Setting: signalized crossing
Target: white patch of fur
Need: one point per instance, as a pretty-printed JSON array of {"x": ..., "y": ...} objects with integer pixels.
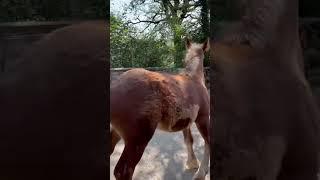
[{"x": 193, "y": 65}]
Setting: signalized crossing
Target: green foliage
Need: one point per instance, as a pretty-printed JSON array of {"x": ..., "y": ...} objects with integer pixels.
[
  {"x": 178, "y": 31},
  {"x": 130, "y": 50},
  {"x": 172, "y": 21},
  {"x": 43, "y": 10}
]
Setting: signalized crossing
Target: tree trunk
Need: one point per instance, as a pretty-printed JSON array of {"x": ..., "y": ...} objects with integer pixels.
[
  {"x": 204, "y": 18},
  {"x": 177, "y": 42}
]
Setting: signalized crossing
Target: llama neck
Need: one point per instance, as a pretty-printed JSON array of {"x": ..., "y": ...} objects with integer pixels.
[{"x": 195, "y": 68}]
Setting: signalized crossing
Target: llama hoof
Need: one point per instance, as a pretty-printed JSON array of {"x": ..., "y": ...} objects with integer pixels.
[
  {"x": 200, "y": 175},
  {"x": 193, "y": 164}
]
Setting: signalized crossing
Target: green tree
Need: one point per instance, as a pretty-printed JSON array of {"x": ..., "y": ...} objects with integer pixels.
[
  {"x": 128, "y": 49},
  {"x": 180, "y": 17}
]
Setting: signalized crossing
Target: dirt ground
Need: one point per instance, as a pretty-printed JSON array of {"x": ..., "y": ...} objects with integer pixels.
[{"x": 164, "y": 158}]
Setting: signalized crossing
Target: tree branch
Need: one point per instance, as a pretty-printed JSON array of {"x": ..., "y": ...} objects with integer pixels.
[
  {"x": 184, "y": 9},
  {"x": 146, "y": 27},
  {"x": 190, "y": 15},
  {"x": 152, "y": 21},
  {"x": 147, "y": 21}
]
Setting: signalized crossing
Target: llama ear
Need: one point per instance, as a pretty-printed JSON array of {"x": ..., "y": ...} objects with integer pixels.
[
  {"x": 206, "y": 45},
  {"x": 188, "y": 43}
]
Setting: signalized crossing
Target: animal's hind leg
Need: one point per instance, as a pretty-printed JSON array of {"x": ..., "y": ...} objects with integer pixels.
[
  {"x": 135, "y": 144},
  {"x": 115, "y": 138},
  {"x": 192, "y": 162},
  {"x": 203, "y": 126}
]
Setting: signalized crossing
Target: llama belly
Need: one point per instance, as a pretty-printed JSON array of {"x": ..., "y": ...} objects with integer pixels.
[{"x": 177, "y": 118}]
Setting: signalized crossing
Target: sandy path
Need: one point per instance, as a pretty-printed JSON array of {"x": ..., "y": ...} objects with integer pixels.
[{"x": 164, "y": 157}]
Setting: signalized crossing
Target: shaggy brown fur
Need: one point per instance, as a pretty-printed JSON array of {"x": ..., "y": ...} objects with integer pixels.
[
  {"x": 53, "y": 107},
  {"x": 266, "y": 122},
  {"x": 142, "y": 100}
]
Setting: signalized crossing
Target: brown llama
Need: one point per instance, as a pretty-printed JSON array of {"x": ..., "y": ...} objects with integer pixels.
[{"x": 142, "y": 101}]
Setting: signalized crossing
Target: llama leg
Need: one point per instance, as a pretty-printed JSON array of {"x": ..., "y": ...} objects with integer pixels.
[
  {"x": 192, "y": 162},
  {"x": 203, "y": 126},
  {"x": 135, "y": 144},
  {"x": 115, "y": 138}
]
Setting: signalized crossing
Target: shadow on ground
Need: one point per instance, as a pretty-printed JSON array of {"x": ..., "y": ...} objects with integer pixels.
[{"x": 164, "y": 158}]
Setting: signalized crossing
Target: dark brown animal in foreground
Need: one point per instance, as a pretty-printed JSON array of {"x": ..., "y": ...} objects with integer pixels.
[
  {"x": 53, "y": 107},
  {"x": 142, "y": 101},
  {"x": 266, "y": 121}
]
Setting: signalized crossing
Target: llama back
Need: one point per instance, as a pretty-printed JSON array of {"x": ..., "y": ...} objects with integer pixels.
[{"x": 154, "y": 95}]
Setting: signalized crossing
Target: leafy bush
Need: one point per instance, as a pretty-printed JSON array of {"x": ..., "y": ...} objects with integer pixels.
[{"x": 130, "y": 50}]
